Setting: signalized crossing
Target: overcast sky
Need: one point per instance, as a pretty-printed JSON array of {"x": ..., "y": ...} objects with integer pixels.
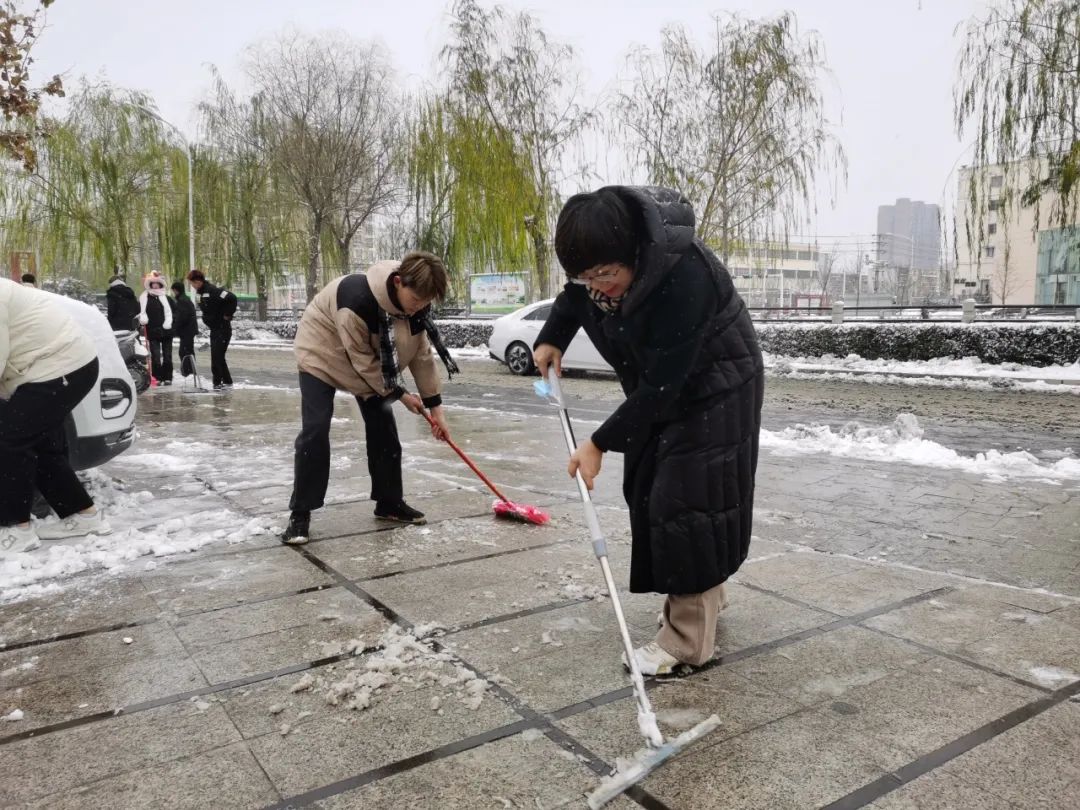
[{"x": 893, "y": 65}]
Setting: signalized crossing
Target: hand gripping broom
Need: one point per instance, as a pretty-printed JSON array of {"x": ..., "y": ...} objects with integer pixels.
[{"x": 657, "y": 751}]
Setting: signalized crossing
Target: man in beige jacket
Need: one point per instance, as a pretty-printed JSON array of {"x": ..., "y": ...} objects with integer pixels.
[{"x": 356, "y": 335}]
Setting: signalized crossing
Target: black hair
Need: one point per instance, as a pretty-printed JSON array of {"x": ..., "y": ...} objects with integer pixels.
[
  {"x": 29, "y": 278},
  {"x": 596, "y": 228},
  {"x": 178, "y": 286}
]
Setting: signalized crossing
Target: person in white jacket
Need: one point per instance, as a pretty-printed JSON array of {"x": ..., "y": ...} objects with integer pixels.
[
  {"x": 47, "y": 365},
  {"x": 156, "y": 314}
]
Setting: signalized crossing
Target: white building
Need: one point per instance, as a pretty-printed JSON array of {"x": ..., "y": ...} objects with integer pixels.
[
  {"x": 1002, "y": 256},
  {"x": 777, "y": 274}
]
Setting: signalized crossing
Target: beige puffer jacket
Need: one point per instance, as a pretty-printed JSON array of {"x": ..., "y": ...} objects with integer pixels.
[
  {"x": 39, "y": 341},
  {"x": 334, "y": 344}
]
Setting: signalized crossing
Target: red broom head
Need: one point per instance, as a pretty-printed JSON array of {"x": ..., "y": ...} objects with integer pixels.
[{"x": 521, "y": 512}]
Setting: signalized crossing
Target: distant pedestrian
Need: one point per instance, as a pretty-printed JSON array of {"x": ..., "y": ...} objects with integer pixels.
[
  {"x": 123, "y": 306},
  {"x": 29, "y": 280},
  {"x": 218, "y": 307},
  {"x": 47, "y": 365},
  {"x": 185, "y": 327},
  {"x": 155, "y": 313},
  {"x": 357, "y": 335},
  {"x": 661, "y": 308}
]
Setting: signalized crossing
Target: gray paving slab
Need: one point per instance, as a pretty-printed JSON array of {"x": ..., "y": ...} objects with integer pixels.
[
  {"x": 97, "y": 602},
  {"x": 229, "y": 579},
  {"x": 102, "y": 689},
  {"x": 826, "y": 667},
  {"x": 923, "y": 706},
  {"x": 526, "y": 770},
  {"x": 740, "y": 703},
  {"x": 325, "y": 749},
  {"x": 46, "y": 765},
  {"x": 226, "y": 777},
  {"x": 1036, "y": 764},
  {"x": 940, "y": 790}
]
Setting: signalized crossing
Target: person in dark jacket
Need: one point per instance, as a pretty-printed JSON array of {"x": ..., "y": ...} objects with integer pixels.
[
  {"x": 662, "y": 310},
  {"x": 123, "y": 306},
  {"x": 185, "y": 327},
  {"x": 218, "y": 307},
  {"x": 156, "y": 315}
]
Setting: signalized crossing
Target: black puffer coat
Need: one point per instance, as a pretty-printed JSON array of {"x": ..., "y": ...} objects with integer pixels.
[{"x": 688, "y": 359}]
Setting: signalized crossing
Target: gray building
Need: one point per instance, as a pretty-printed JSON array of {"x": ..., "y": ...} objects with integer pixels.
[
  {"x": 909, "y": 247},
  {"x": 909, "y": 235}
]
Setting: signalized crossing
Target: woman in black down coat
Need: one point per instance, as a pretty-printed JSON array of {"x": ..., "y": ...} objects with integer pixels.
[{"x": 662, "y": 310}]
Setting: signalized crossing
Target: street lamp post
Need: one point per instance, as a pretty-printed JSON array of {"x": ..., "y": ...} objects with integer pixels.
[{"x": 190, "y": 181}]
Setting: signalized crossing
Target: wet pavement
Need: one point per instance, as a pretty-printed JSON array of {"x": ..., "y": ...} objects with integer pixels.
[{"x": 901, "y": 636}]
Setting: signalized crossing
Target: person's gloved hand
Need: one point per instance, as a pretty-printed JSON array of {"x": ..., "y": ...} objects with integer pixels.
[{"x": 143, "y": 319}]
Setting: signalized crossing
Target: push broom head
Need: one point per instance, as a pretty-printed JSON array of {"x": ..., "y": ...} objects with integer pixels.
[
  {"x": 520, "y": 512},
  {"x": 645, "y": 762}
]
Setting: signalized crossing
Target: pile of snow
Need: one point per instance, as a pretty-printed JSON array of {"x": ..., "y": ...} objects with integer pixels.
[
  {"x": 971, "y": 369},
  {"x": 903, "y": 442},
  {"x": 403, "y": 658}
]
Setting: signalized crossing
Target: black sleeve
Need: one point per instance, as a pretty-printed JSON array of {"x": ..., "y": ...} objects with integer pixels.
[
  {"x": 671, "y": 345},
  {"x": 230, "y": 306},
  {"x": 562, "y": 324},
  {"x": 110, "y": 300}
]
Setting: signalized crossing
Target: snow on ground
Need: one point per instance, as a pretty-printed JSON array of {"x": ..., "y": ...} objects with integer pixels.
[
  {"x": 966, "y": 372},
  {"x": 144, "y": 528},
  {"x": 903, "y": 442}
]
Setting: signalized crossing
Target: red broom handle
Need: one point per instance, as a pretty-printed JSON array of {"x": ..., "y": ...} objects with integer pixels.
[{"x": 467, "y": 460}]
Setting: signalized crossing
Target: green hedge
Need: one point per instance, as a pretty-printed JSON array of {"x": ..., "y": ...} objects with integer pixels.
[{"x": 1031, "y": 345}]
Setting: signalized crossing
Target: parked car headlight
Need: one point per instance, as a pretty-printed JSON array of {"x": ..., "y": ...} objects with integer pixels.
[{"x": 116, "y": 398}]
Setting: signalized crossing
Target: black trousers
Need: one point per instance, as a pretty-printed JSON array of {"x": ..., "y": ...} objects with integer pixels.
[
  {"x": 219, "y": 344},
  {"x": 32, "y": 446},
  {"x": 312, "y": 460},
  {"x": 186, "y": 349},
  {"x": 161, "y": 365}
]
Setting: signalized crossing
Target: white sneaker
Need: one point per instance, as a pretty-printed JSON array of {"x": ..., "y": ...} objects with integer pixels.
[
  {"x": 77, "y": 525},
  {"x": 723, "y": 604},
  {"x": 16, "y": 540},
  {"x": 652, "y": 659}
]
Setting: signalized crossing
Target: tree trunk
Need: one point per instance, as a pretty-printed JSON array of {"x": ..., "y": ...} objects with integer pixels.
[
  {"x": 540, "y": 249},
  {"x": 311, "y": 282},
  {"x": 262, "y": 296}
]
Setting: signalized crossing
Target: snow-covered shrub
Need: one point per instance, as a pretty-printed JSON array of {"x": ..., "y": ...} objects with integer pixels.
[
  {"x": 456, "y": 334},
  {"x": 1028, "y": 344}
]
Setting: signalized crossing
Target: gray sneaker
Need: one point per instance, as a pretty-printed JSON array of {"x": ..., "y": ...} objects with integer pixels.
[
  {"x": 77, "y": 525},
  {"x": 17, "y": 540}
]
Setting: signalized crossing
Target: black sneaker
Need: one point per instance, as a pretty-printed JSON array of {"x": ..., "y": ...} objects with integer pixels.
[
  {"x": 400, "y": 512},
  {"x": 298, "y": 531}
]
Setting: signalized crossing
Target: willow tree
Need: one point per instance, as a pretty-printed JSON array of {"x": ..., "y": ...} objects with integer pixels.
[
  {"x": 102, "y": 186},
  {"x": 251, "y": 221},
  {"x": 517, "y": 94},
  {"x": 1018, "y": 90},
  {"x": 468, "y": 191},
  {"x": 739, "y": 125}
]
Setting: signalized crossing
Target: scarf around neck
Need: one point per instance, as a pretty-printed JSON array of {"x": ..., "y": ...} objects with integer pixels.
[
  {"x": 606, "y": 302},
  {"x": 391, "y": 367}
]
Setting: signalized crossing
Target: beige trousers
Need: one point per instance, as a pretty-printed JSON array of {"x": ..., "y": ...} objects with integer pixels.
[{"x": 689, "y": 629}]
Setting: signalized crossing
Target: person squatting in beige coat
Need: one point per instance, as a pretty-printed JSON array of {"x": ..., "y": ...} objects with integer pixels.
[{"x": 356, "y": 335}]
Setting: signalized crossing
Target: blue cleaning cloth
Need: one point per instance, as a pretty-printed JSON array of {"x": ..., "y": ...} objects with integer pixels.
[{"x": 542, "y": 388}]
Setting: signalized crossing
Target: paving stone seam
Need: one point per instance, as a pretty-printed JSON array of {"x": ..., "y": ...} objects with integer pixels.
[
  {"x": 180, "y": 697},
  {"x": 872, "y": 791},
  {"x": 110, "y": 628}
]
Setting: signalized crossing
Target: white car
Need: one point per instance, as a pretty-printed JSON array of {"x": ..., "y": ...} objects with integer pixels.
[
  {"x": 102, "y": 425},
  {"x": 513, "y": 335}
]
